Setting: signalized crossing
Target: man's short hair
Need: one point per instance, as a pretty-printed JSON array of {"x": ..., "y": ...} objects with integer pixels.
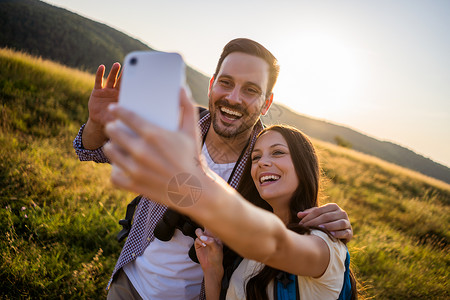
[{"x": 253, "y": 48}]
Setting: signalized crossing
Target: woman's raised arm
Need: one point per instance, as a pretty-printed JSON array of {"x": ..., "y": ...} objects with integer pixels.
[{"x": 166, "y": 166}]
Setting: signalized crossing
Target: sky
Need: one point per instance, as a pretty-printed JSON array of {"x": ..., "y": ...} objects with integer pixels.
[{"x": 379, "y": 67}]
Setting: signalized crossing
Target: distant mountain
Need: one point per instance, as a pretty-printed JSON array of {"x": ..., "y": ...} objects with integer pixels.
[
  {"x": 387, "y": 151},
  {"x": 60, "y": 35},
  {"x": 65, "y": 37}
]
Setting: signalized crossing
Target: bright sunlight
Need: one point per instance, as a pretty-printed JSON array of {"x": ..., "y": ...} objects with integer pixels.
[{"x": 323, "y": 73}]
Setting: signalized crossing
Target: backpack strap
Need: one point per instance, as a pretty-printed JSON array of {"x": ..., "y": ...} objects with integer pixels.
[
  {"x": 346, "y": 292},
  {"x": 231, "y": 261},
  {"x": 285, "y": 286},
  {"x": 202, "y": 111},
  {"x": 126, "y": 223}
]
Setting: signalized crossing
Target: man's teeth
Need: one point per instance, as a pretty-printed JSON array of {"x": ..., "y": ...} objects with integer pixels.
[
  {"x": 269, "y": 177},
  {"x": 231, "y": 112}
]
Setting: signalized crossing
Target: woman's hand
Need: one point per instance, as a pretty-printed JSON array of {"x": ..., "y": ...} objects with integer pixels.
[{"x": 209, "y": 251}]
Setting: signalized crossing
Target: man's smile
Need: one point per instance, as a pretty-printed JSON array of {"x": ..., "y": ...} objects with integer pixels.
[{"x": 229, "y": 114}]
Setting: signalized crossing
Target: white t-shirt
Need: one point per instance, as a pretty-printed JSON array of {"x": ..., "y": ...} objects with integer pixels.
[
  {"x": 327, "y": 286},
  {"x": 165, "y": 271}
]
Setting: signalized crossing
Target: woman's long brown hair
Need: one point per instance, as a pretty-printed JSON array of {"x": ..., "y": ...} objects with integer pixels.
[{"x": 306, "y": 164}]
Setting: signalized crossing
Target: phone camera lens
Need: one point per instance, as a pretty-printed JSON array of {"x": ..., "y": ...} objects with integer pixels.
[{"x": 133, "y": 61}]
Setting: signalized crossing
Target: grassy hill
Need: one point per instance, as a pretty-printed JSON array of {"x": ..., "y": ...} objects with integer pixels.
[
  {"x": 62, "y": 36},
  {"x": 58, "y": 216},
  {"x": 388, "y": 151}
]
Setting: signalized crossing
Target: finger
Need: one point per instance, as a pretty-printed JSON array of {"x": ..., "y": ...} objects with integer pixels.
[
  {"x": 121, "y": 180},
  {"x": 119, "y": 159},
  {"x": 189, "y": 115},
  {"x": 199, "y": 232},
  {"x": 119, "y": 80},
  {"x": 315, "y": 212},
  {"x": 112, "y": 76},
  {"x": 302, "y": 214},
  {"x": 99, "y": 77},
  {"x": 345, "y": 235},
  {"x": 336, "y": 225},
  {"x": 138, "y": 124},
  {"x": 109, "y": 117},
  {"x": 208, "y": 241},
  {"x": 126, "y": 139},
  {"x": 122, "y": 137},
  {"x": 323, "y": 218},
  {"x": 133, "y": 154},
  {"x": 137, "y": 172},
  {"x": 307, "y": 216},
  {"x": 199, "y": 244}
]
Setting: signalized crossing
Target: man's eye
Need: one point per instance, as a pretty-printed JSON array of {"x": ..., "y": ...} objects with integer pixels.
[
  {"x": 225, "y": 83},
  {"x": 251, "y": 91}
]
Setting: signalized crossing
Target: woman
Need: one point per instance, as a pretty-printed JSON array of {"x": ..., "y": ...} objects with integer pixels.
[
  {"x": 282, "y": 176},
  {"x": 146, "y": 166}
]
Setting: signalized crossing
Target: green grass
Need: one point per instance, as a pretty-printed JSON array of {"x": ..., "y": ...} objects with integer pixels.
[
  {"x": 400, "y": 220},
  {"x": 58, "y": 216}
]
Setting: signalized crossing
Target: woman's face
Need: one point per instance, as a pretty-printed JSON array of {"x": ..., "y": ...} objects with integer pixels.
[{"x": 272, "y": 169}]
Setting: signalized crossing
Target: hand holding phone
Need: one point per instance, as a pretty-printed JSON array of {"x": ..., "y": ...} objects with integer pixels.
[{"x": 150, "y": 86}]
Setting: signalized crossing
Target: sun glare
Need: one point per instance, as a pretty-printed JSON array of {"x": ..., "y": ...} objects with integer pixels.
[{"x": 319, "y": 74}]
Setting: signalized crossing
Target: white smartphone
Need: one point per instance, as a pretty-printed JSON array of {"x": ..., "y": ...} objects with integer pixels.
[{"x": 150, "y": 86}]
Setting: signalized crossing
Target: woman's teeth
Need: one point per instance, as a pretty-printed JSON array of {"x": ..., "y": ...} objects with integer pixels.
[{"x": 269, "y": 178}]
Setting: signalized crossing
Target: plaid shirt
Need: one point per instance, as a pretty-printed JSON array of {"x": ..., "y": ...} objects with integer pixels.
[{"x": 149, "y": 213}]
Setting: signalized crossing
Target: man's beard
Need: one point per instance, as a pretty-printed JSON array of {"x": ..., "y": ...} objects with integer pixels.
[{"x": 231, "y": 131}]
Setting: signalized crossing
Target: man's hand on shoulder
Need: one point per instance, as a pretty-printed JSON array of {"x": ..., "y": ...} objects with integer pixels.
[{"x": 331, "y": 217}]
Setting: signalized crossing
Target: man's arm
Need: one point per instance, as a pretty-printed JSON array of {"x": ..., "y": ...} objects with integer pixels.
[
  {"x": 331, "y": 217},
  {"x": 93, "y": 135},
  {"x": 83, "y": 154}
]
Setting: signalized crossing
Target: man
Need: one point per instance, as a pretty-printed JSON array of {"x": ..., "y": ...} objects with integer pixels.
[{"x": 240, "y": 91}]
